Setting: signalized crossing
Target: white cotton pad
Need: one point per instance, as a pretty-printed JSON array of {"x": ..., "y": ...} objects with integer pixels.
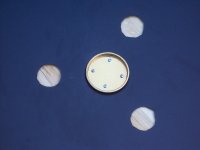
[
  {"x": 48, "y": 75},
  {"x": 132, "y": 27},
  {"x": 143, "y": 118}
]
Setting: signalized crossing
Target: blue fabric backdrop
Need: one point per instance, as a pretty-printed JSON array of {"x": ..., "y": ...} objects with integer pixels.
[{"x": 164, "y": 64}]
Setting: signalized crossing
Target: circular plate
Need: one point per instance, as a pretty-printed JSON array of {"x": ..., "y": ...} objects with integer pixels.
[{"x": 107, "y": 72}]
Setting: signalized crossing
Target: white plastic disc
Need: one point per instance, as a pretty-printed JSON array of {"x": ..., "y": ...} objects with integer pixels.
[
  {"x": 48, "y": 75},
  {"x": 132, "y": 27},
  {"x": 107, "y": 72},
  {"x": 143, "y": 118}
]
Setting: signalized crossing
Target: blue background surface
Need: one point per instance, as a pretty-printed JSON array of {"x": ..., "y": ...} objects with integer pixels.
[{"x": 164, "y": 64}]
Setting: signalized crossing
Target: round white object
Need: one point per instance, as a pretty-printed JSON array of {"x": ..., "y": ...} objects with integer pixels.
[
  {"x": 107, "y": 72},
  {"x": 143, "y": 118},
  {"x": 132, "y": 27},
  {"x": 48, "y": 75}
]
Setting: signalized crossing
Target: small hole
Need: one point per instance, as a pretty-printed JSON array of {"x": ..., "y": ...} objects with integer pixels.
[
  {"x": 105, "y": 85},
  {"x": 92, "y": 70},
  {"x": 109, "y": 59}
]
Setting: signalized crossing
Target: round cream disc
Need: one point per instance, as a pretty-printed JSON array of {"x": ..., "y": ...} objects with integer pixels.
[
  {"x": 48, "y": 75},
  {"x": 132, "y": 27},
  {"x": 143, "y": 118},
  {"x": 107, "y": 72}
]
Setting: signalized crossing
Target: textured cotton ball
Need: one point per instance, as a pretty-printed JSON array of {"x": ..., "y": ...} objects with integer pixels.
[
  {"x": 48, "y": 75},
  {"x": 143, "y": 118},
  {"x": 132, "y": 27}
]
